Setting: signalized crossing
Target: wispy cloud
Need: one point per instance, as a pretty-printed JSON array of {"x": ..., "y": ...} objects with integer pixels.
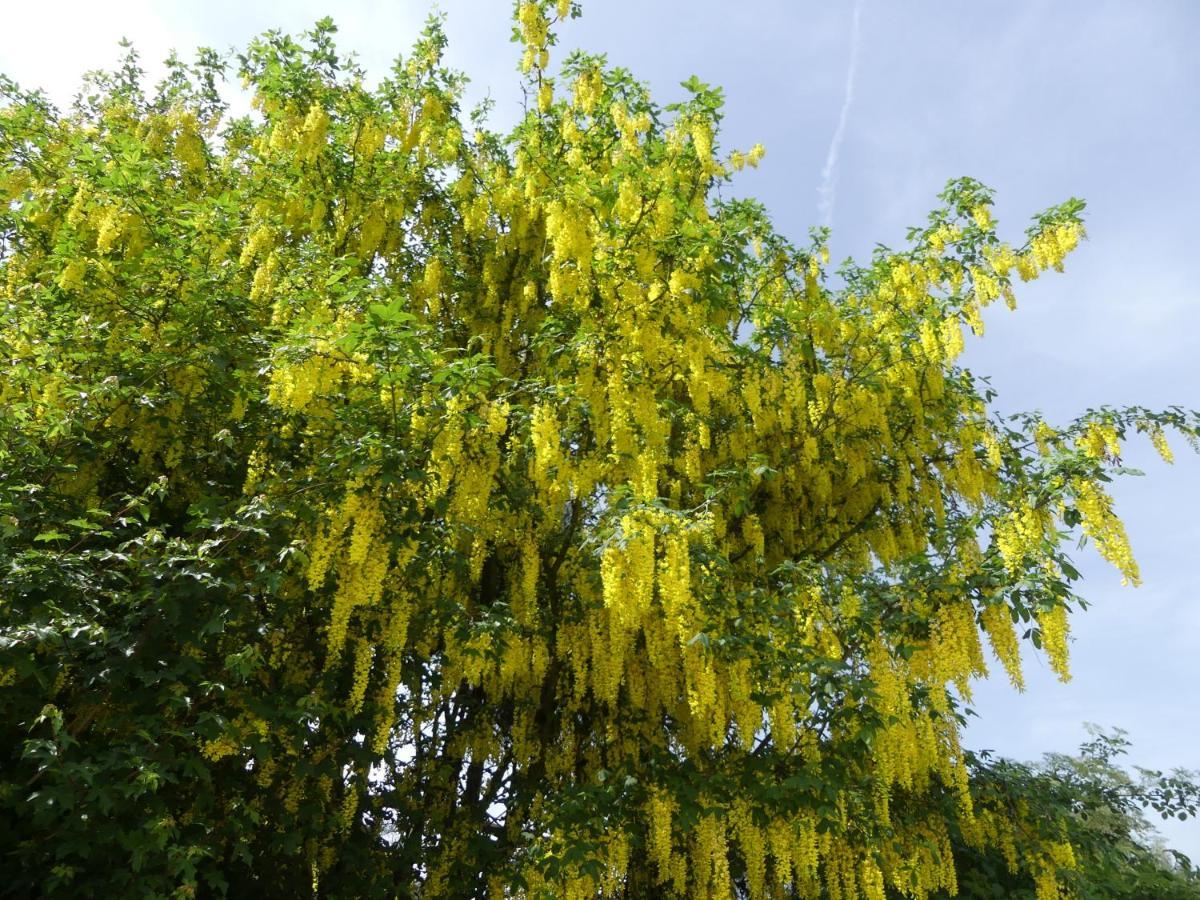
[{"x": 827, "y": 191}]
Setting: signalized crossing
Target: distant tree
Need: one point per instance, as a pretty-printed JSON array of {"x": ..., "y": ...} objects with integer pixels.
[
  {"x": 1102, "y": 810},
  {"x": 392, "y": 507}
]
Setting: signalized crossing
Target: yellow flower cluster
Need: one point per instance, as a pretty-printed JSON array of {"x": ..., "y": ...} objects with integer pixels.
[
  {"x": 219, "y": 748},
  {"x": 998, "y": 625},
  {"x": 71, "y": 277},
  {"x": 109, "y": 227},
  {"x": 535, "y": 29},
  {"x": 1045, "y": 436},
  {"x": 1019, "y": 536},
  {"x": 189, "y": 143},
  {"x": 361, "y": 564},
  {"x": 1099, "y": 439},
  {"x": 955, "y": 651},
  {"x": 1160, "y": 444},
  {"x": 1055, "y": 629},
  {"x": 1051, "y": 245},
  {"x": 1107, "y": 531},
  {"x": 363, "y": 654},
  {"x": 659, "y": 811}
]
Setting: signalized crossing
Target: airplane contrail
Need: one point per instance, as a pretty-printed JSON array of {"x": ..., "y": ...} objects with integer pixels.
[{"x": 828, "y": 189}]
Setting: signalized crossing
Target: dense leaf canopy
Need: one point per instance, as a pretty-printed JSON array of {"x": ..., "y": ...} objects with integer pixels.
[{"x": 390, "y": 506}]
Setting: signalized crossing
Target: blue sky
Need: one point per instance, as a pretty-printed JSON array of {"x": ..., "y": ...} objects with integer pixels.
[{"x": 1040, "y": 100}]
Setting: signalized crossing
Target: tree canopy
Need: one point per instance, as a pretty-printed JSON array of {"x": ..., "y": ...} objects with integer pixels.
[
  {"x": 390, "y": 506},
  {"x": 1102, "y": 810}
]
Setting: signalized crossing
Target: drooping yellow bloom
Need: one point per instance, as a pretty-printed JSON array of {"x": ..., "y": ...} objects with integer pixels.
[{"x": 1053, "y": 623}]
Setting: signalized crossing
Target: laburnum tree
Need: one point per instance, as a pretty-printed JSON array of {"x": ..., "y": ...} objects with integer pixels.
[{"x": 394, "y": 507}]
